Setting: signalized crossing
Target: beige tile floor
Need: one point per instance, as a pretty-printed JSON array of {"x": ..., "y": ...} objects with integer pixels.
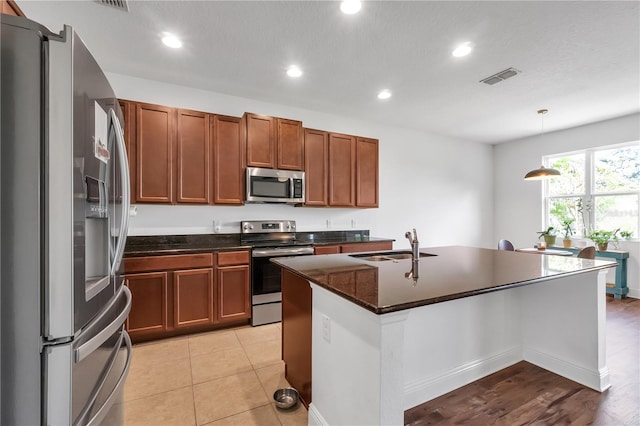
[{"x": 219, "y": 378}]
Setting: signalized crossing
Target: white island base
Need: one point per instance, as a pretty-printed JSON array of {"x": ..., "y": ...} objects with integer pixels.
[{"x": 367, "y": 369}]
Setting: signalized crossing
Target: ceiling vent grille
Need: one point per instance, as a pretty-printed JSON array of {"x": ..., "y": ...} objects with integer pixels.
[
  {"x": 501, "y": 76},
  {"x": 118, "y": 4}
]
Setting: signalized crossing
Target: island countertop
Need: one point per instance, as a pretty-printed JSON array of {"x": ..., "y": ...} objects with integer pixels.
[{"x": 450, "y": 273}]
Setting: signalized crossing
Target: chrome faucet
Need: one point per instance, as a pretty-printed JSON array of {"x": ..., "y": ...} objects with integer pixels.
[
  {"x": 413, "y": 240},
  {"x": 413, "y": 273}
]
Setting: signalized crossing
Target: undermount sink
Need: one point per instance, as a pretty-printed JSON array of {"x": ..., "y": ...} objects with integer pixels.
[{"x": 388, "y": 255}]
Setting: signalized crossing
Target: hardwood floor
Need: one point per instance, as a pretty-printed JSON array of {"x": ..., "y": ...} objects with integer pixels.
[{"x": 525, "y": 394}]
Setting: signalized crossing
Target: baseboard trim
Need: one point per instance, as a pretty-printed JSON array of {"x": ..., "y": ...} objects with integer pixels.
[
  {"x": 315, "y": 418},
  {"x": 425, "y": 389},
  {"x": 595, "y": 379}
]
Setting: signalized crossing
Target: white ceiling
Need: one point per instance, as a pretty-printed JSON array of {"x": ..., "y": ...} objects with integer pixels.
[{"x": 579, "y": 59}]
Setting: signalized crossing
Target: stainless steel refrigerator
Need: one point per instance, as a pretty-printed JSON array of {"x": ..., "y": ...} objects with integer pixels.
[{"x": 64, "y": 206}]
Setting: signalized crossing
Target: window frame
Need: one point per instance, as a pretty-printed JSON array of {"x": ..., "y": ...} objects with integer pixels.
[{"x": 589, "y": 194}]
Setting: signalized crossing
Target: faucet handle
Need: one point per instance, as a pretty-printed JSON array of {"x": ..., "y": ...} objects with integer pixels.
[
  {"x": 407, "y": 235},
  {"x": 415, "y": 235}
]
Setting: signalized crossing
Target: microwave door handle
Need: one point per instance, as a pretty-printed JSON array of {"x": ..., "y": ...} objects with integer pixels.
[{"x": 126, "y": 198}]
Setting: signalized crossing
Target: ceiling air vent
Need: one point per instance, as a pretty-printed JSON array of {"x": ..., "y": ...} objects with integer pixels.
[
  {"x": 498, "y": 77},
  {"x": 118, "y": 4}
]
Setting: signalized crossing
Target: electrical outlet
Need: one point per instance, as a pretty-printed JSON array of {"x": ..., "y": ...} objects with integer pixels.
[
  {"x": 326, "y": 328},
  {"x": 217, "y": 226},
  {"x": 353, "y": 223},
  {"x": 329, "y": 224},
  {"x": 133, "y": 211}
]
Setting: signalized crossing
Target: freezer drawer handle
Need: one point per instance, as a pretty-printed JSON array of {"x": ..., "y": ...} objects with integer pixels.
[
  {"x": 97, "y": 419},
  {"x": 87, "y": 348}
]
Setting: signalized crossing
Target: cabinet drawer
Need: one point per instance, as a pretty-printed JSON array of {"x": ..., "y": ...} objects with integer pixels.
[
  {"x": 228, "y": 258},
  {"x": 160, "y": 263}
]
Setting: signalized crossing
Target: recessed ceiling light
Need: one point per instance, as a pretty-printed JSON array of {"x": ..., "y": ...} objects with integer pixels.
[
  {"x": 170, "y": 40},
  {"x": 294, "y": 71},
  {"x": 349, "y": 7},
  {"x": 462, "y": 50},
  {"x": 385, "y": 94}
]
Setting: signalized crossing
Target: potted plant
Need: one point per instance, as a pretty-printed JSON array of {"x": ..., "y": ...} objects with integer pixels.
[
  {"x": 602, "y": 238},
  {"x": 626, "y": 235},
  {"x": 567, "y": 231},
  {"x": 549, "y": 235}
]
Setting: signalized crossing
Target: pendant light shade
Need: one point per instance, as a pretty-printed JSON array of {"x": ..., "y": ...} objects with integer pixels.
[{"x": 542, "y": 172}]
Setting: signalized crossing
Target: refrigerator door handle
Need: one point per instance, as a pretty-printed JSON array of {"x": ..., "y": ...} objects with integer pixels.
[
  {"x": 117, "y": 391},
  {"x": 94, "y": 343},
  {"x": 126, "y": 191}
]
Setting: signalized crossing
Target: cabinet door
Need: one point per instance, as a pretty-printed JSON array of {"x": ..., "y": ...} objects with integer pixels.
[
  {"x": 129, "y": 128},
  {"x": 366, "y": 172},
  {"x": 233, "y": 293},
  {"x": 149, "y": 301},
  {"x": 342, "y": 155},
  {"x": 296, "y": 333},
  {"x": 194, "y": 158},
  {"x": 261, "y": 146},
  {"x": 193, "y": 297},
  {"x": 228, "y": 159},
  {"x": 290, "y": 151},
  {"x": 316, "y": 165},
  {"x": 154, "y": 153}
]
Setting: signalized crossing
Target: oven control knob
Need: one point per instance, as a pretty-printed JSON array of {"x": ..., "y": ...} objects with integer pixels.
[{"x": 248, "y": 226}]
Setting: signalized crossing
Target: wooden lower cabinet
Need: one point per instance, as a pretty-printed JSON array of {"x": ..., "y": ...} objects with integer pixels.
[
  {"x": 179, "y": 294},
  {"x": 149, "y": 314},
  {"x": 193, "y": 302},
  {"x": 358, "y": 247},
  {"x": 296, "y": 333},
  {"x": 234, "y": 293},
  {"x": 353, "y": 247}
]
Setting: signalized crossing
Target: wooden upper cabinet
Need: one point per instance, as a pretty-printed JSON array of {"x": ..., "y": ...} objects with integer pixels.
[
  {"x": 342, "y": 163},
  {"x": 228, "y": 160},
  {"x": 290, "y": 147},
  {"x": 194, "y": 158},
  {"x": 316, "y": 167},
  {"x": 366, "y": 172},
  {"x": 129, "y": 128},
  {"x": 9, "y": 7},
  {"x": 154, "y": 153},
  {"x": 261, "y": 137}
]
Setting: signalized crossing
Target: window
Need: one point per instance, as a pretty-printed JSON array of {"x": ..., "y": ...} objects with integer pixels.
[{"x": 599, "y": 189}]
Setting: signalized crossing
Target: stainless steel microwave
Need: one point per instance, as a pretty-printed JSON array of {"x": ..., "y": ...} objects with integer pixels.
[{"x": 274, "y": 186}]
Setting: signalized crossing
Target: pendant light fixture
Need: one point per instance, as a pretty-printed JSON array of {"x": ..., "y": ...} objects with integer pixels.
[{"x": 542, "y": 172}]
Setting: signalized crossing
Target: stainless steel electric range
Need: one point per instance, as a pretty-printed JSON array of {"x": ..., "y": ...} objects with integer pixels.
[{"x": 268, "y": 239}]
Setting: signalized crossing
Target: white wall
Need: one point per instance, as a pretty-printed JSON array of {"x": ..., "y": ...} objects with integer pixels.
[
  {"x": 518, "y": 203},
  {"x": 440, "y": 186}
]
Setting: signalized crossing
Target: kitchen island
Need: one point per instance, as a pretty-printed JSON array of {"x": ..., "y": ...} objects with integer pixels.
[{"x": 388, "y": 335}]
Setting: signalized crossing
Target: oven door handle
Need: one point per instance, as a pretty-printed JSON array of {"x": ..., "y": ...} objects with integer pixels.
[{"x": 282, "y": 252}]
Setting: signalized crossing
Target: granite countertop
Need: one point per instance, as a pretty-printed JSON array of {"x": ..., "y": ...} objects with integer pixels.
[
  {"x": 155, "y": 245},
  {"x": 453, "y": 273}
]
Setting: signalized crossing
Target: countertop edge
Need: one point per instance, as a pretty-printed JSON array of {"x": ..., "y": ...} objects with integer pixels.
[{"x": 404, "y": 306}]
